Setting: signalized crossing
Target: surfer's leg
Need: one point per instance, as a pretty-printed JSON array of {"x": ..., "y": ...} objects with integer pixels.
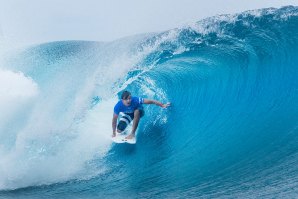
[
  {"x": 136, "y": 120},
  {"x": 142, "y": 112},
  {"x": 135, "y": 124},
  {"x": 123, "y": 123}
]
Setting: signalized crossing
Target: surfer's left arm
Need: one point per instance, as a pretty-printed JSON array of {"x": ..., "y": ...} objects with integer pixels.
[
  {"x": 150, "y": 101},
  {"x": 114, "y": 122}
]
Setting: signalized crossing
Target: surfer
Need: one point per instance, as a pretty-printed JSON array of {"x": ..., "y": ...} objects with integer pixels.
[{"x": 133, "y": 111}]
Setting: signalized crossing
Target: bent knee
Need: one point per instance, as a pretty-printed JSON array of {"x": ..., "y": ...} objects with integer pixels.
[{"x": 137, "y": 112}]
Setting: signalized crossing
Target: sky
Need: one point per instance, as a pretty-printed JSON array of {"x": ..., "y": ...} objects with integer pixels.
[{"x": 40, "y": 21}]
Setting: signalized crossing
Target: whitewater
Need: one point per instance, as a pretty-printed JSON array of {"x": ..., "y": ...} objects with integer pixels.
[{"x": 231, "y": 132}]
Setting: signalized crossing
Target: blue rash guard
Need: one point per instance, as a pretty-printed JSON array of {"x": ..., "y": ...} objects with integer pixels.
[{"x": 136, "y": 103}]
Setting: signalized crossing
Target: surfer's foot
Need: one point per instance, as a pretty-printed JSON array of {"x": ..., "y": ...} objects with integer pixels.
[{"x": 130, "y": 136}]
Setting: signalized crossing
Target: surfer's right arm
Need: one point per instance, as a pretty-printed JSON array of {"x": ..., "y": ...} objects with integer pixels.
[{"x": 114, "y": 122}]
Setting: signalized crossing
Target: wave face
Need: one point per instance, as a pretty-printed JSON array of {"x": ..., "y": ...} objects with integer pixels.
[{"x": 232, "y": 130}]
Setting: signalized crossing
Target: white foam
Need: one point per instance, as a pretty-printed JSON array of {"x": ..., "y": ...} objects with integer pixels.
[
  {"x": 16, "y": 91},
  {"x": 15, "y": 84},
  {"x": 49, "y": 157}
]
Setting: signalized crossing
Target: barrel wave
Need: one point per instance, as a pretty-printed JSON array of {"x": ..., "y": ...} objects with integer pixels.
[{"x": 231, "y": 132}]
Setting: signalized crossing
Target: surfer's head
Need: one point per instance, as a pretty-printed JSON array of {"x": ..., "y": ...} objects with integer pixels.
[{"x": 126, "y": 98}]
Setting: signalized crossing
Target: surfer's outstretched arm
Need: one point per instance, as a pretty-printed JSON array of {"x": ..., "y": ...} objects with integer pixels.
[
  {"x": 150, "y": 101},
  {"x": 114, "y": 122}
]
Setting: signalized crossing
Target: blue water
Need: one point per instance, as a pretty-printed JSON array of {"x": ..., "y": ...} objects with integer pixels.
[{"x": 232, "y": 130}]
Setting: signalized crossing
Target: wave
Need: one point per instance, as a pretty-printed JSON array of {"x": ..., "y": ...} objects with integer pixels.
[{"x": 231, "y": 131}]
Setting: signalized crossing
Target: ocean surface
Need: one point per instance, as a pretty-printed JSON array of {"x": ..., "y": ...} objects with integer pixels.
[{"x": 231, "y": 132}]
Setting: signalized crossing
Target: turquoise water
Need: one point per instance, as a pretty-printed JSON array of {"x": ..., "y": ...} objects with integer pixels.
[{"x": 232, "y": 130}]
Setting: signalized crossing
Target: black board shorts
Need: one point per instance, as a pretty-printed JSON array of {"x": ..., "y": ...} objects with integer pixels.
[{"x": 126, "y": 119}]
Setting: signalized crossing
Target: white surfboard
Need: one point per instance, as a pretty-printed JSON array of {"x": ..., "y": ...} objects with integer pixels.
[{"x": 120, "y": 138}]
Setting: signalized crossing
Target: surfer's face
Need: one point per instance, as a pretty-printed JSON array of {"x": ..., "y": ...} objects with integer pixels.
[{"x": 127, "y": 101}]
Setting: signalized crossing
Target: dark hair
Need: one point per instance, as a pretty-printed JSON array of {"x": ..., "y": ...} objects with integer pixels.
[{"x": 125, "y": 94}]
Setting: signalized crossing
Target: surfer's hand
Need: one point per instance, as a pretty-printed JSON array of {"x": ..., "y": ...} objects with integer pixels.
[
  {"x": 166, "y": 105},
  {"x": 114, "y": 134}
]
